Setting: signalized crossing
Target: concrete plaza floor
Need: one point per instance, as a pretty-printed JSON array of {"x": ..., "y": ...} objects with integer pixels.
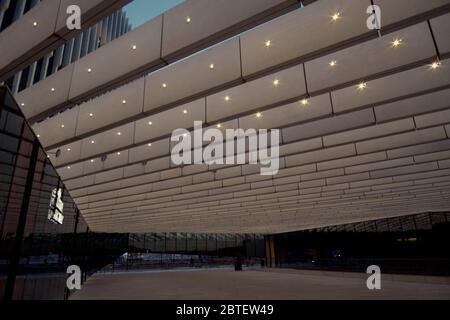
[{"x": 257, "y": 284}]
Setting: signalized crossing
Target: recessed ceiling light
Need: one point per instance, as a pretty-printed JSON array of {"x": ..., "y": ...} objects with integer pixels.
[
  {"x": 68, "y": 149},
  {"x": 150, "y": 123},
  {"x": 164, "y": 85},
  {"x": 38, "y": 135},
  {"x": 52, "y": 89},
  {"x": 259, "y": 115},
  {"x": 118, "y": 153},
  {"x": 185, "y": 135},
  {"x": 185, "y": 111},
  {"x": 134, "y": 47},
  {"x": 91, "y": 114},
  {"x": 227, "y": 98},
  {"x": 62, "y": 126},
  {"x": 276, "y": 82},
  {"x": 22, "y": 104},
  {"x": 119, "y": 133},
  {"x": 268, "y": 43},
  {"x": 336, "y": 16},
  {"x": 304, "y": 102},
  {"x": 92, "y": 141},
  {"x": 211, "y": 66},
  {"x": 124, "y": 101},
  {"x": 35, "y": 24},
  {"x": 89, "y": 70},
  {"x": 435, "y": 65},
  {"x": 149, "y": 144},
  {"x": 396, "y": 42},
  {"x": 333, "y": 63},
  {"x": 188, "y": 19},
  {"x": 68, "y": 167},
  {"x": 219, "y": 125},
  {"x": 92, "y": 161},
  {"x": 362, "y": 85}
]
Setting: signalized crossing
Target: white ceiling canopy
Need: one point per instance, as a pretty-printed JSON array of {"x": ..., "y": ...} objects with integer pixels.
[{"x": 364, "y": 121}]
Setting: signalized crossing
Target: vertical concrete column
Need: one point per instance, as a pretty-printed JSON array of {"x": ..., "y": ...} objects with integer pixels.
[
  {"x": 92, "y": 39},
  {"x": 44, "y": 67},
  {"x": 31, "y": 74},
  {"x": 57, "y": 60},
  {"x": 110, "y": 27},
  {"x": 33, "y": 3},
  {"x": 114, "y": 26},
  {"x": 104, "y": 34},
  {"x": 68, "y": 52},
  {"x": 19, "y": 9},
  {"x": 16, "y": 82},
  {"x": 77, "y": 47},
  {"x": 4, "y": 5},
  {"x": 85, "y": 42}
]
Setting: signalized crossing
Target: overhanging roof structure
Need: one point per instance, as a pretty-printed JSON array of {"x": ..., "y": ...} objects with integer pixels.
[{"x": 364, "y": 117}]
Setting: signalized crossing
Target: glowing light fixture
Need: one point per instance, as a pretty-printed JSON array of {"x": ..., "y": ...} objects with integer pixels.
[
  {"x": 35, "y": 24},
  {"x": 396, "y": 42},
  {"x": 362, "y": 86},
  {"x": 211, "y": 66},
  {"x": 336, "y": 16},
  {"x": 333, "y": 63},
  {"x": 89, "y": 70},
  {"x": 259, "y": 115},
  {"x": 304, "y": 102},
  {"x": 188, "y": 19},
  {"x": 150, "y": 123},
  {"x": 219, "y": 125},
  {"x": 92, "y": 141},
  {"x": 119, "y": 133},
  {"x": 435, "y": 65},
  {"x": 227, "y": 98},
  {"x": 164, "y": 85},
  {"x": 91, "y": 115},
  {"x": 268, "y": 43},
  {"x": 276, "y": 82},
  {"x": 52, "y": 89}
]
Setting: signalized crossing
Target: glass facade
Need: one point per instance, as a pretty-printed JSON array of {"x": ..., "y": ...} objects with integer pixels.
[
  {"x": 413, "y": 244},
  {"x": 42, "y": 231}
]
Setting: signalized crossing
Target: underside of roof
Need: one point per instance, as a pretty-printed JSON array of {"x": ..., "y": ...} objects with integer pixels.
[{"x": 364, "y": 116}]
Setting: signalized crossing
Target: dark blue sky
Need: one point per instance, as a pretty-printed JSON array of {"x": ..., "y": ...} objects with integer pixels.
[{"x": 140, "y": 11}]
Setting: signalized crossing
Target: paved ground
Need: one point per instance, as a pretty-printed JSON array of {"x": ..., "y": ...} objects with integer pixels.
[{"x": 251, "y": 284}]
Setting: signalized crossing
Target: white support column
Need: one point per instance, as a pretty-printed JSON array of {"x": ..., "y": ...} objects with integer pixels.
[
  {"x": 114, "y": 26},
  {"x": 68, "y": 52},
  {"x": 16, "y": 82},
  {"x": 19, "y": 9},
  {"x": 31, "y": 74},
  {"x": 110, "y": 28},
  {"x": 104, "y": 34},
  {"x": 44, "y": 66},
  {"x": 4, "y": 5},
  {"x": 85, "y": 42},
  {"x": 77, "y": 47},
  {"x": 33, "y": 3},
  {"x": 92, "y": 38},
  {"x": 57, "y": 59}
]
